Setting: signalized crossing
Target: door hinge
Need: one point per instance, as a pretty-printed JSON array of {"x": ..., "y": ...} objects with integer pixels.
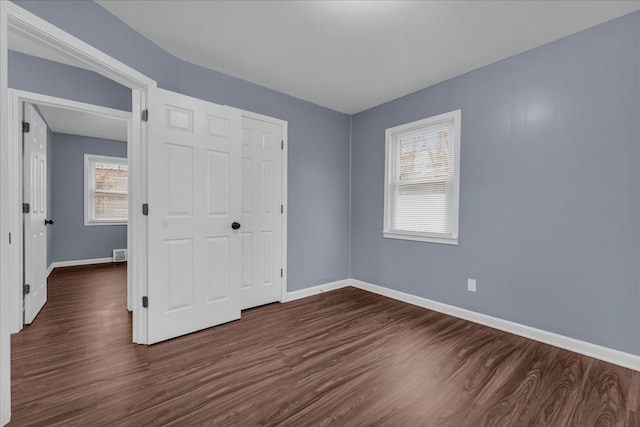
[
  {"x": 145, "y": 209},
  {"x": 282, "y": 145},
  {"x": 26, "y": 208},
  {"x": 145, "y": 115},
  {"x": 281, "y": 272},
  {"x": 26, "y": 127},
  {"x": 26, "y": 289},
  {"x": 145, "y": 302},
  {"x": 9, "y": 238},
  {"x": 281, "y": 209}
]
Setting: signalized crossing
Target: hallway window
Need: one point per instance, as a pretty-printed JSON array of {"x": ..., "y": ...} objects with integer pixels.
[{"x": 105, "y": 190}]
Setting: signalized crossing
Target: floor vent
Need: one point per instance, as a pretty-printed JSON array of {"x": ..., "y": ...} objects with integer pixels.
[{"x": 119, "y": 255}]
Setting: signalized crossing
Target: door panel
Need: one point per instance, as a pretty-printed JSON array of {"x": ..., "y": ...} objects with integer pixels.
[
  {"x": 194, "y": 195},
  {"x": 261, "y": 214},
  {"x": 35, "y": 194}
]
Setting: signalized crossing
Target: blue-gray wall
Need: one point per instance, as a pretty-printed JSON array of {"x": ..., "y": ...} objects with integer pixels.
[
  {"x": 318, "y": 180},
  {"x": 54, "y": 79},
  {"x": 70, "y": 239},
  {"x": 549, "y": 200}
]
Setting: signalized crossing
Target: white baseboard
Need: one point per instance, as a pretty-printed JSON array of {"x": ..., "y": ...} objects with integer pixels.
[
  {"x": 314, "y": 290},
  {"x": 616, "y": 357},
  {"x": 76, "y": 262},
  {"x": 606, "y": 354}
]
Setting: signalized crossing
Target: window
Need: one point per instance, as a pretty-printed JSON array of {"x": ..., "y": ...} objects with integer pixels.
[
  {"x": 105, "y": 190},
  {"x": 422, "y": 180}
]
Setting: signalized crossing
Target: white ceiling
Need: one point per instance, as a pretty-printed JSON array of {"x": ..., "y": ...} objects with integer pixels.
[
  {"x": 353, "y": 55},
  {"x": 81, "y": 123}
]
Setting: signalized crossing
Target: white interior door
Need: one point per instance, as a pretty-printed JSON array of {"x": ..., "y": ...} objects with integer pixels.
[
  {"x": 35, "y": 195},
  {"x": 194, "y": 195},
  {"x": 261, "y": 232}
]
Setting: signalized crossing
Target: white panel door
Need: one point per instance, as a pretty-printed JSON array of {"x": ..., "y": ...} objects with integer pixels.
[
  {"x": 261, "y": 232},
  {"x": 35, "y": 194},
  {"x": 194, "y": 197}
]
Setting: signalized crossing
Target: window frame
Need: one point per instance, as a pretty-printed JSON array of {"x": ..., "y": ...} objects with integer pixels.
[
  {"x": 390, "y": 145},
  {"x": 89, "y": 188}
]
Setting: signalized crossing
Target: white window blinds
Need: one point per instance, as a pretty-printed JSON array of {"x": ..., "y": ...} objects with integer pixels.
[
  {"x": 106, "y": 184},
  {"x": 422, "y": 180},
  {"x": 110, "y": 196}
]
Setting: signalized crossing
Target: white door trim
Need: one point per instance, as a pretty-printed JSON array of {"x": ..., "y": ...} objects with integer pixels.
[
  {"x": 285, "y": 151},
  {"x": 23, "y": 22},
  {"x": 16, "y": 99},
  {"x": 17, "y": 20},
  {"x": 68, "y": 104}
]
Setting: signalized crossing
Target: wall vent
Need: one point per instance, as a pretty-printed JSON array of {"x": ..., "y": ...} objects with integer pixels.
[{"x": 119, "y": 255}]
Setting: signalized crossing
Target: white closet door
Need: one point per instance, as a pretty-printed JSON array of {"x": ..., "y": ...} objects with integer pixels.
[
  {"x": 194, "y": 197},
  {"x": 261, "y": 232},
  {"x": 35, "y": 194}
]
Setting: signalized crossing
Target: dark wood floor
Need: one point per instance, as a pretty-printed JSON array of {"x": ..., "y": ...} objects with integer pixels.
[{"x": 344, "y": 358}]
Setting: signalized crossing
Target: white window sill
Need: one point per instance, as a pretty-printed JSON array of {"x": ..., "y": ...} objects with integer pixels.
[
  {"x": 92, "y": 223},
  {"x": 419, "y": 238}
]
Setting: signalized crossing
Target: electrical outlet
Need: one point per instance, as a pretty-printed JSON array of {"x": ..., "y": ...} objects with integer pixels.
[{"x": 471, "y": 285}]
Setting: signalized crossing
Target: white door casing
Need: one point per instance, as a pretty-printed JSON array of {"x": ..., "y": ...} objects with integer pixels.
[
  {"x": 261, "y": 233},
  {"x": 194, "y": 196},
  {"x": 15, "y": 18},
  {"x": 35, "y": 195}
]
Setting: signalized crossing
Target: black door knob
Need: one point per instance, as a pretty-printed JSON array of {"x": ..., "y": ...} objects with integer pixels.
[
  {"x": 235, "y": 225},
  {"x": 48, "y": 221}
]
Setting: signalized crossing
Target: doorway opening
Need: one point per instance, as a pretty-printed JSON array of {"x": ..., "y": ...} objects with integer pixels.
[
  {"x": 161, "y": 197},
  {"x": 75, "y": 190},
  {"x": 40, "y": 33}
]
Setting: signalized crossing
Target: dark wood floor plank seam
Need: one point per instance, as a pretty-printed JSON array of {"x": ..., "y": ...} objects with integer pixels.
[{"x": 346, "y": 358}]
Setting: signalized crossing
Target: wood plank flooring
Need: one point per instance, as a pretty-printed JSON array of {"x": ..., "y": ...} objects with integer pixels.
[{"x": 346, "y": 358}]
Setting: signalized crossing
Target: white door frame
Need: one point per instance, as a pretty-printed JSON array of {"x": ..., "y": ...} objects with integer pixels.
[
  {"x": 284, "y": 153},
  {"x": 16, "y": 99},
  {"x": 19, "y": 21}
]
